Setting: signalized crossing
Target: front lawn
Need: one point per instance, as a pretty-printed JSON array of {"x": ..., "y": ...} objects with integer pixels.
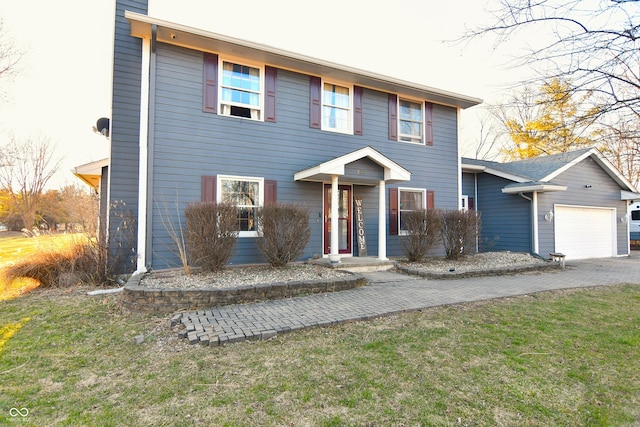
[{"x": 569, "y": 358}]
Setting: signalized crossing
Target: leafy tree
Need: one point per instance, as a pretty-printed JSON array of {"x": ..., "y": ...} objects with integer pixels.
[
  {"x": 556, "y": 124},
  {"x": 29, "y": 167},
  {"x": 50, "y": 210}
]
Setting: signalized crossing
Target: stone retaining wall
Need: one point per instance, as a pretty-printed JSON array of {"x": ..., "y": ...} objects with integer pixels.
[
  {"x": 160, "y": 301},
  {"x": 502, "y": 271}
]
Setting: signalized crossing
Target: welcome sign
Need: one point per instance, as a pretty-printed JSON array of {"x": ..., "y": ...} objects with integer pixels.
[{"x": 360, "y": 230}]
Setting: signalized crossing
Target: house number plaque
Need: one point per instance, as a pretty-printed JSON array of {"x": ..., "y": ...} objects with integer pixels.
[{"x": 360, "y": 231}]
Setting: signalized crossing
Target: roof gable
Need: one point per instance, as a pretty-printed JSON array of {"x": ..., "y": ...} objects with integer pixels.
[
  {"x": 392, "y": 172},
  {"x": 545, "y": 168}
]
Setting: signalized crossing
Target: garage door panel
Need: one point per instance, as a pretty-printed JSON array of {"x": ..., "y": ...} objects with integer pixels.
[{"x": 582, "y": 232}]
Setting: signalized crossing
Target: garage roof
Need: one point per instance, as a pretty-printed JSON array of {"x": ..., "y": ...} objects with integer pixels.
[{"x": 540, "y": 171}]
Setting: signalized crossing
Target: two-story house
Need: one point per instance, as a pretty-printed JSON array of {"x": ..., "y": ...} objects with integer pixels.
[{"x": 201, "y": 116}]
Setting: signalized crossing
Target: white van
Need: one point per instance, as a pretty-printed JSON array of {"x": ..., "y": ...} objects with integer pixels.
[{"x": 634, "y": 220}]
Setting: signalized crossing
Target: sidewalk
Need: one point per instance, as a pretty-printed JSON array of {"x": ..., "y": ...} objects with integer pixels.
[{"x": 389, "y": 293}]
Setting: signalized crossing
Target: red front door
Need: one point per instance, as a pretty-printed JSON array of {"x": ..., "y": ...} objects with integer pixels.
[{"x": 344, "y": 219}]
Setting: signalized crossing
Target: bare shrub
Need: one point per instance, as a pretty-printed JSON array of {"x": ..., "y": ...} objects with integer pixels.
[
  {"x": 422, "y": 231},
  {"x": 176, "y": 231},
  {"x": 459, "y": 231},
  {"x": 285, "y": 232},
  {"x": 212, "y": 232}
]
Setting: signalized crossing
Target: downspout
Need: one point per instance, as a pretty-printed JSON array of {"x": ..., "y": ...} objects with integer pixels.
[
  {"x": 534, "y": 218},
  {"x": 475, "y": 207},
  {"x": 147, "y": 53},
  {"x": 151, "y": 144}
]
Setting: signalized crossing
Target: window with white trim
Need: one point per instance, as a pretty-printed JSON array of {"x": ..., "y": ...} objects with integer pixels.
[
  {"x": 410, "y": 121},
  {"x": 241, "y": 90},
  {"x": 337, "y": 106},
  {"x": 410, "y": 199},
  {"x": 247, "y": 194}
]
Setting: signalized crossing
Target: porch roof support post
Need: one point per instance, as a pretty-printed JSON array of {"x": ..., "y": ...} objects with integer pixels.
[
  {"x": 382, "y": 223},
  {"x": 334, "y": 255}
]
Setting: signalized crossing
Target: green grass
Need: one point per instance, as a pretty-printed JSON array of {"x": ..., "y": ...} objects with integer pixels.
[{"x": 569, "y": 358}]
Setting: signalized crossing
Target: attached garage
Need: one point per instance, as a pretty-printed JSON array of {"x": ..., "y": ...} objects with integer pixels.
[
  {"x": 574, "y": 203},
  {"x": 585, "y": 232}
]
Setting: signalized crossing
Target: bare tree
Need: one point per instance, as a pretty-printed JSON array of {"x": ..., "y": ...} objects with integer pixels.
[
  {"x": 9, "y": 55},
  {"x": 29, "y": 167},
  {"x": 592, "y": 44},
  {"x": 490, "y": 134},
  {"x": 620, "y": 143}
]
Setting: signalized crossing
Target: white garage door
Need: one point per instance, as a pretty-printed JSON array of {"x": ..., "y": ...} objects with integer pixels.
[{"x": 582, "y": 232}]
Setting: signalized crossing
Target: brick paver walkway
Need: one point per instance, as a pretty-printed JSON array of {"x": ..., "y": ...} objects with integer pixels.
[{"x": 389, "y": 293}]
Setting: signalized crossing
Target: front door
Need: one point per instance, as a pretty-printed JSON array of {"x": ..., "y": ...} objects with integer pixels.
[{"x": 344, "y": 219}]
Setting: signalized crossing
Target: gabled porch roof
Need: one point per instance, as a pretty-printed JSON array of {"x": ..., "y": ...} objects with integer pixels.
[
  {"x": 323, "y": 172},
  {"x": 91, "y": 173}
]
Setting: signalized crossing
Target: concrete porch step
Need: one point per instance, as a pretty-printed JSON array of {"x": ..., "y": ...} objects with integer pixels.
[{"x": 358, "y": 264}]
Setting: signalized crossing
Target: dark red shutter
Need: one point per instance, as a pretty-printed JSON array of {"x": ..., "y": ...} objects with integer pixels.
[
  {"x": 357, "y": 110},
  {"x": 393, "y": 117},
  {"x": 393, "y": 211},
  {"x": 431, "y": 199},
  {"x": 208, "y": 189},
  {"x": 270, "y": 77},
  {"x": 315, "y": 107},
  {"x": 472, "y": 204},
  {"x": 210, "y": 86},
  {"x": 270, "y": 192},
  {"x": 428, "y": 123}
]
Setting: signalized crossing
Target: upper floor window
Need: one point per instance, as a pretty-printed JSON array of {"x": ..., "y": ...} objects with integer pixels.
[
  {"x": 241, "y": 90},
  {"x": 410, "y": 121},
  {"x": 336, "y": 108},
  {"x": 246, "y": 194}
]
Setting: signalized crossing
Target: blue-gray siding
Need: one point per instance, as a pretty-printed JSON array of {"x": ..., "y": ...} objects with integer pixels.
[
  {"x": 189, "y": 143},
  {"x": 506, "y": 218},
  {"x": 125, "y": 123},
  {"x": 469, "y": 185}
]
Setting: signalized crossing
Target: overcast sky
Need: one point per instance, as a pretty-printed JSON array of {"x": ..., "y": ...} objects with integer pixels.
[{"x": 64, "y": 78}]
